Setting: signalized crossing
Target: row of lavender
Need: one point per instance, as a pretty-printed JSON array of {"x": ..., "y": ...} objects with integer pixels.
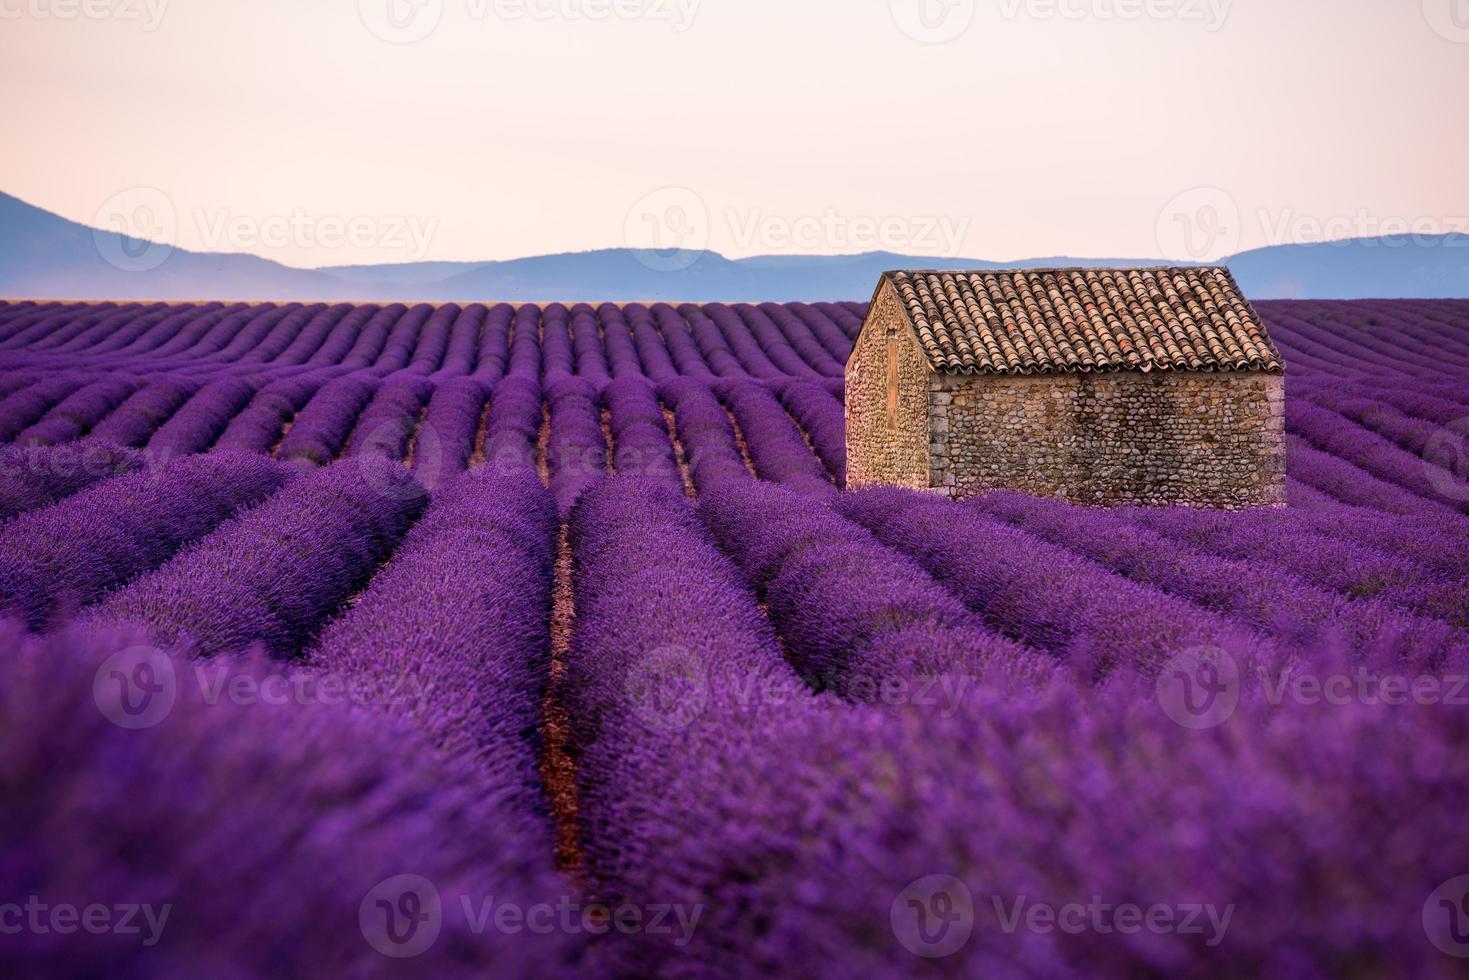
[
  {"x": 1402, "y": 451},
  {"x": 694, "y": 714},
  {"x": 943, "y": 717},
  {"x": 769, "y": 342},
  {"x": 255, "y": 704},
  {"x": 767, "y": 660}
]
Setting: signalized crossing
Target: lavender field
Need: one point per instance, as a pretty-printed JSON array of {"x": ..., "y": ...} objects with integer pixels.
[{"x": 546, "y": 641}]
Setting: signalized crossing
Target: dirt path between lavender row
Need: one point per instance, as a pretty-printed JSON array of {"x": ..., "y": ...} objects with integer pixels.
[{"x": 558, "y": 768}]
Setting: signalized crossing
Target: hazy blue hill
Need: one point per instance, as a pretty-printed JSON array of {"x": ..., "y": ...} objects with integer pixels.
[
  {"x": 44, "y": 255},
  {"x": 1361, "y": 268}
]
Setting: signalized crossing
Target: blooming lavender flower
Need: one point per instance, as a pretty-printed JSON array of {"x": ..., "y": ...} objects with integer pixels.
[
  {"x": 777, "y": 447},
  {"x": 622, "y": 349},
  {"x": 708, "y": 438},
  {"x": 433, "y": 339},
  {"x": 836, "y": 340},
  {"x": 168, "y": 819},
  {"x": 444, "y": 443},
  {"x": 513, "y": 425},
  {"x": 307, "y": 341},
  {"x": 773, "y": 341},
  {"x": 269, "y": 577},
  {"x": 577, "y": 451},
  {"x": 323, "y": 426},
  {"x": 821, "y": 417},
  {"x": 33, "y": 477},
  {"x": 713, "y": 345},
  {"x": 71, "y": 553},
  {"x": 135, "y": 421},
  {"x": 1262, "y": 592},
  {"x": 847, "y": 608},
  {"x": 387, "y": 424},
  {"x": 78, "y": 413},
  {"x": 1331, "y": 432},
  {"x": 654, "y": 353},
  {"x": 676, "y": 336},
  {"x": 372, "y": 336},
  {"x": 463, "y": 344},
  {"x": 260, "y": 425},
  {"x": 557, "y": 361},
  {"x": 667, "y": 646},
  {"x": 494, "y": 344},
  {"x": 1036, "y": 592},
  {"x": 27, "y": 406},
  {"x": 642, "y": 447},
  {"x": 737, "y": 339},
  {"x": 818, "y": 838},
  {"x": 196, "y": 426},
  {"x": 458, "y": 625}
]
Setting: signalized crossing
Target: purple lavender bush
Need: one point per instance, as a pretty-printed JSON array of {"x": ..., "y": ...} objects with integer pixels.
[
  {"x": 456, "y": 627},
  {"x": 32, "y": 477},
  {"x": 1032, "y": 591},
  {"x": 270, "y": 577},
  {"x": 851, "y": 613},
  {"x": 242, "y": 834},
  {"x": 61, "y": 557}
]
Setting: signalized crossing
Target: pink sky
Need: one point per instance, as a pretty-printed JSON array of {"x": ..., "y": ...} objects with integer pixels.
[{"x": 319, "y": 133}]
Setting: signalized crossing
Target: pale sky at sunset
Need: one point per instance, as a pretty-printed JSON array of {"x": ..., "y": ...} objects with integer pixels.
[{"x": 319, "y": 132}]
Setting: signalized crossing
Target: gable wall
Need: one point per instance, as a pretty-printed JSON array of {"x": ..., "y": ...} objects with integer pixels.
[
  {"x": 1201, "y": 440},
  {"x": 887, "y": 430}
]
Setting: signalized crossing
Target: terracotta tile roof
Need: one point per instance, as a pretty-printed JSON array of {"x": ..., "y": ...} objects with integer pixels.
[{"x": 1065, "y": 321}]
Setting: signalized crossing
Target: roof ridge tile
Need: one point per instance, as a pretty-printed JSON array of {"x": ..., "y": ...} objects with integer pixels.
[{"x": 1070, "y": 320}]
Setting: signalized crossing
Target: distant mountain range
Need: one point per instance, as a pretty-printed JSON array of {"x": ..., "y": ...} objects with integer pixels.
[{"x": 45, "y": 255}]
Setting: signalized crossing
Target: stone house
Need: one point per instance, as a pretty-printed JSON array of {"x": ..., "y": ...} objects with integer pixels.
[{"x": 1098, "y": 386}]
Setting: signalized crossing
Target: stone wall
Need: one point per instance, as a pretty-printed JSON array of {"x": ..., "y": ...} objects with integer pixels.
[
  {"x": 887, "y": 400},
  {"x": 1201, "y": 440}
]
